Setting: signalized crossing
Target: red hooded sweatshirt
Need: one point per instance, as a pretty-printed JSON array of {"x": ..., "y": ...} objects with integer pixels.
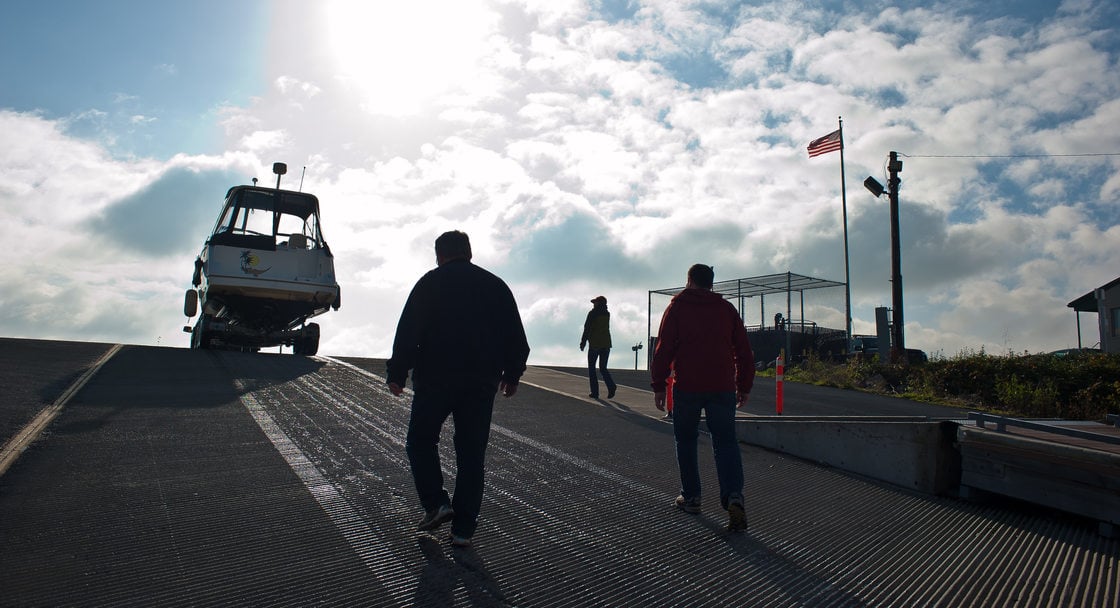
[{"x": 703, "y": 338}]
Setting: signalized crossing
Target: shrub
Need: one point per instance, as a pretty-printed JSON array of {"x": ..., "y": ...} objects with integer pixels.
[{"x": 1083, "y": 386}]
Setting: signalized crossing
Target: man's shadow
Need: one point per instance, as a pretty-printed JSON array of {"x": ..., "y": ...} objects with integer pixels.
[{"x": 463, "y": 570}]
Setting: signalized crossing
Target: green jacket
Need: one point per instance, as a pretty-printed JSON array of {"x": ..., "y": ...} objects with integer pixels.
[{"x": 597, "y": 328}]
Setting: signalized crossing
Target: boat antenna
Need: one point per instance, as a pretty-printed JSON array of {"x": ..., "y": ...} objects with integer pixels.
[
  {"x": 301, "y": 178},
  {"x": 279, "y": 169}
]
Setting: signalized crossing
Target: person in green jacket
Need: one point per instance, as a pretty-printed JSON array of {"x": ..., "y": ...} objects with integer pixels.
[{"x": 597, "y": 337}]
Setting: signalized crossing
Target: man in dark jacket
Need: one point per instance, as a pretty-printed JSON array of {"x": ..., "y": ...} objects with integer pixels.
[
  {"x": 703, "y": 340},
  {"x": 461, "y": 334},
  {"x": 597, "y": 337}
]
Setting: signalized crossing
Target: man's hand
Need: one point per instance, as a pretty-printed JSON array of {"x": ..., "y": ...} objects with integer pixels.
[
  {"x": 581, "y": 345},
  {"x": 508, "y": 389},
  {"x": 395, "y": 388},
  {"x": 742, "y": 400},
  {"x": 659, "y": 400}
]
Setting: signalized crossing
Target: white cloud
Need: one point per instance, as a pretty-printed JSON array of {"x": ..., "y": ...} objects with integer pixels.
[
  {"x": 581, "y": 162},
  {"x": 287, "y": 84},
  {"x": 264, "y": 141}
]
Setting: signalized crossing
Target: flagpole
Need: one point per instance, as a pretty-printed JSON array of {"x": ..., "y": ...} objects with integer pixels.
[{"x": 847, "y": 279}]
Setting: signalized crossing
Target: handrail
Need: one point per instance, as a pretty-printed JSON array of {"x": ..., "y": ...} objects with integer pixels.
[{"x": 1002, "y": 422}]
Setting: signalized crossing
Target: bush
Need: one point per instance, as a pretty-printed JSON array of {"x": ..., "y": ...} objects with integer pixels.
[{"x": 1082, "y": 386}]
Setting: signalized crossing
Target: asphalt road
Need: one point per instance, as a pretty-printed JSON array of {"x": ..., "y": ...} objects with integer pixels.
[{"x": 805, "y": 399}]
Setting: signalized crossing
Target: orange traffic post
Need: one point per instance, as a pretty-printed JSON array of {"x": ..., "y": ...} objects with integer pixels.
[{"x": 779, "y": 374}]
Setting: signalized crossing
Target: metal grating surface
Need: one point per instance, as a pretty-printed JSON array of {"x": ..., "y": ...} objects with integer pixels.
[{"x": 203, "y": 501}]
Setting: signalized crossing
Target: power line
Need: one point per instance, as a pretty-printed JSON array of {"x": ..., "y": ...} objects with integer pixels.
[{"x": 1007, "y": 155}]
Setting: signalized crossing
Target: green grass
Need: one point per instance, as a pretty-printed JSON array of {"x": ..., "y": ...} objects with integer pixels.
[{"x": 1076, "y": 387}]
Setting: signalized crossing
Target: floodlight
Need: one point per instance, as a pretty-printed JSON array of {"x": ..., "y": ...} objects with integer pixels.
[{"x": 873, "y": 186}]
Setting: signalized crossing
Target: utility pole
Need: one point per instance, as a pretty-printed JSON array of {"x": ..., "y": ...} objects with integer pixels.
[{"x": 898, "y": 344}]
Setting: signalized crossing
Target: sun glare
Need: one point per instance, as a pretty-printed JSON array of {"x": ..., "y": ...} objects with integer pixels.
[{"x": 402, "y": 55}]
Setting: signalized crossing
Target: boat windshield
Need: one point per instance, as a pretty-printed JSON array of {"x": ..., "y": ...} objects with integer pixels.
[{"x": 287, "y": 218}]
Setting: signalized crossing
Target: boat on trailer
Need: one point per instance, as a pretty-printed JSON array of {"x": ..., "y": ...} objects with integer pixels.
[{"x": 263, "y": 272}]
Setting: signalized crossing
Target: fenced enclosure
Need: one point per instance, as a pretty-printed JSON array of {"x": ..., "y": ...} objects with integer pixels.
[{"x": 811, "y": 317}]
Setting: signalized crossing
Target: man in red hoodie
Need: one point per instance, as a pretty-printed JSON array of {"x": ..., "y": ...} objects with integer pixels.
[{"x": 702, "y": 337}]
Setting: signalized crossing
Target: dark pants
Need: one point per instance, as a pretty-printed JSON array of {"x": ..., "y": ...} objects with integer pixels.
[
  {"x": 720, "y": 407},
  {"x": 470, "y": 408},
  {"x": 601, "y": 354}
]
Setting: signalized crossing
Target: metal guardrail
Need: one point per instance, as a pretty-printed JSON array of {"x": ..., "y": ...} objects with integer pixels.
[{"x": 1002, "y": 422}]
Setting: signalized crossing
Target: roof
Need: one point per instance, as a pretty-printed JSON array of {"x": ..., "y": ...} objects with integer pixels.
[
  {"x": 301, "y": 204},
  {"x": 1088, "y": 302},
  {"x": 762, "y": 285}
]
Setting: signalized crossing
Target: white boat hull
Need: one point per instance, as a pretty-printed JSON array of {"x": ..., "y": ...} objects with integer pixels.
[{"x": 263, "y": 273}]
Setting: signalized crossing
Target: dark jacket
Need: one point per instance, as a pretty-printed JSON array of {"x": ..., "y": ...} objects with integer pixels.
[
  {"x": 459, "y": 325},
  {"x": 703, "y": 339},
  {"x": 597, "y": 328}
]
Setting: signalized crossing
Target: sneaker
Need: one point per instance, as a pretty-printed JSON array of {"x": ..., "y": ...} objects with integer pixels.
[
  {"x": 668, "y": 416},
  {"x": 688, "y": 505},
  {"x": 460, "y": 541},
  {"x": 594, "y": 396},
  {"x": 736, "y": 516},
  {"x": 435, "y": 518},
  {"x": 610, "y": 393}
]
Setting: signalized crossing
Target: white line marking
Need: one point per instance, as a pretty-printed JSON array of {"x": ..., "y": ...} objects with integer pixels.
[{"x": 11, "y": 450}]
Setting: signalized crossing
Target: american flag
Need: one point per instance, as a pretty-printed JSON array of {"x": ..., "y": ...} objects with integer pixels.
[{"x": 826, "y": 144}]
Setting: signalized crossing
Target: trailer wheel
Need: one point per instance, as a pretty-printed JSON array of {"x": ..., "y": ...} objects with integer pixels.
[
  {"x": 200, "y": 338},
  {"x": 308, "y": 345}
]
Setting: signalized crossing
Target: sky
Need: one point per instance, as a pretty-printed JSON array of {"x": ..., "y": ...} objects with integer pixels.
[{"x": 588, "y": 147}]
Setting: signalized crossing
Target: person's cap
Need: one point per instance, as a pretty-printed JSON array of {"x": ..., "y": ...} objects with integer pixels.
[{"x": 599, "y": 299}]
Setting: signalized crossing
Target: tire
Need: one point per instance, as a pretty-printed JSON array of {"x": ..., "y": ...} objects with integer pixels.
[
  {"x": 309, "y": 344},
  {"x": 200, "y": 338}
]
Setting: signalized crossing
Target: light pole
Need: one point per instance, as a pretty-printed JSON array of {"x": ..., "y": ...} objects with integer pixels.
[
  {"x": 637, "y": 347},
  {"x": 898, "y": 345}
]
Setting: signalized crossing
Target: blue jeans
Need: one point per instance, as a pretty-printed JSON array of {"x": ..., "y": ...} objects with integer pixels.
[
  {"x": 471, "y": 408},
  {"x": 601, "y": 354},
  {"x": 720, "y": 408}
]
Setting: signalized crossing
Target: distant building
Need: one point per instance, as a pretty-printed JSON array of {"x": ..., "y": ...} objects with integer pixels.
[{"x": 1105, "y": 301}]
